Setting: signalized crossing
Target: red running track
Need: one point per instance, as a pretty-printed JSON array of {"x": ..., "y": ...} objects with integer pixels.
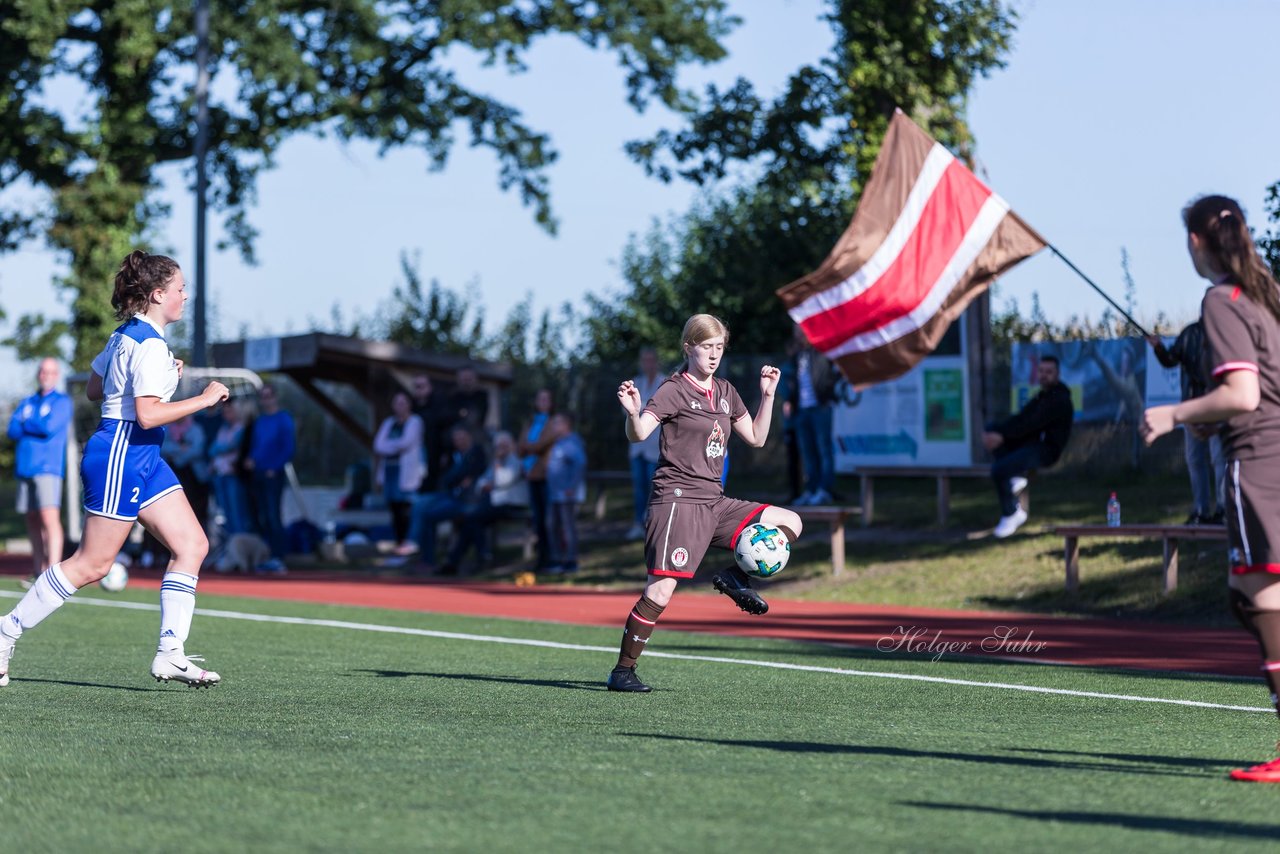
[{"x": 892, "y": 629}]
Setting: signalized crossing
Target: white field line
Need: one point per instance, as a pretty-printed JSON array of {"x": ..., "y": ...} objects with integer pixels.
[{"x": 714, "y": 659}]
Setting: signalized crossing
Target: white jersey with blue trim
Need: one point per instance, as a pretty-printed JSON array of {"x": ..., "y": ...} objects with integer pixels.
[{"x": 136, "y": 362}]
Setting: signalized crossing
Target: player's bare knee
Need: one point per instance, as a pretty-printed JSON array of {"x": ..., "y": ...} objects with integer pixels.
[
  {"x": 660, "y": 589},
  {"x": 194, "y": 546},
  {"x": 781, "y": 517},
  {"x": 87, "y": 573}
]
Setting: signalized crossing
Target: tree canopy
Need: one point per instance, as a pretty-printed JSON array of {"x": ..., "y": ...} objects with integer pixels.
[
  {"x": 375, "y": 70},
  {"x": 1269, "y": 243},
  {"x": 805, "y": 156}
]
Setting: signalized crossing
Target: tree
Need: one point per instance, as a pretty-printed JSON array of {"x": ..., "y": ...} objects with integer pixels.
[
  {"x": 358, "y": 69},
  {"x": 807, "y": 153},
  {"x": 726, "y": 256},
  {"x": 826, "y": 127},
  {"x": 1269, "y": 243},
  {"x": 432, "y": 318}
]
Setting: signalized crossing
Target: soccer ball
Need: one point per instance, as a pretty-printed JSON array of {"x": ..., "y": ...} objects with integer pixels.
[
  {"x": 116, "y": 579},
  {"x": 761, "y": 550}
]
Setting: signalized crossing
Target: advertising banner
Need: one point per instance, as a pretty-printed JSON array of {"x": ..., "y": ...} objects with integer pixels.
[
  {"x": 919, "y": 419},
  {"x": 1111, "y": 380}
]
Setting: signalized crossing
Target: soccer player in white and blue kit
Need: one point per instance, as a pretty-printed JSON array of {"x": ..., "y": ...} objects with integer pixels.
[{"x": 125, "y": 480}]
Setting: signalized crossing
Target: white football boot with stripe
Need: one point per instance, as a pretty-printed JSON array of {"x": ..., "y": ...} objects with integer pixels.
[{"x": 176, "y": 667}]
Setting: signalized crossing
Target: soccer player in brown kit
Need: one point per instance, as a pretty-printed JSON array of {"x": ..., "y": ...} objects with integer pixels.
[
  {"x": 688, "y": 510},
  {"x": 1241, "y": 315}
]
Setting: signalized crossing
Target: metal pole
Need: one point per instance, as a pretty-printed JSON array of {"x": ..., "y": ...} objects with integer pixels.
[
  {"x": 1089, "y": 282},
  {"x": 199, "y": 343}
]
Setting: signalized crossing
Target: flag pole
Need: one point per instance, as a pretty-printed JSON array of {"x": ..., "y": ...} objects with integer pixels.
[{"x": 1090, "y": 283}]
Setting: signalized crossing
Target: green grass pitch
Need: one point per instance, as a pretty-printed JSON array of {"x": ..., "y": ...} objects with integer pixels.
[{"x": 330, "y": 737}]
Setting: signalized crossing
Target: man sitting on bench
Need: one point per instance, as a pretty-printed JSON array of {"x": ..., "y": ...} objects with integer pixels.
[{"x": 1034, "y": 438}]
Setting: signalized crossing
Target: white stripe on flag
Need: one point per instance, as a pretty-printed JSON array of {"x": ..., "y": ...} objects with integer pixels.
[
  {"x": 935, "y": 166},
  {"x": 990, "y": 215}
]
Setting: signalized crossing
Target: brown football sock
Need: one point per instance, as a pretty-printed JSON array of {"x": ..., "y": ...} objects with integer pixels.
[
  {"x": 1265, "y": 627},
  {"x": 790, "y": 534},
  {"x": 1268, "y": 624},
  {"x": 641, "y": 622},
  {"x": 1242, "y": 608}
]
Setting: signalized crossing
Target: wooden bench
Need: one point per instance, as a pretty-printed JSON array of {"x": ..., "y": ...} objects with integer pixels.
[
  {"x": 1171, "y": 535},
  {"x": 943, "y": 475},
  {"x": 836, "y": 516}
]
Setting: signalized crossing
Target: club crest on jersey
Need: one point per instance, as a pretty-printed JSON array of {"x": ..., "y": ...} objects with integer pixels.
[
  {"x": 715, "y": 442},
  {"x": 679, "y": 558},
  {"x": 724, "y": 406}
]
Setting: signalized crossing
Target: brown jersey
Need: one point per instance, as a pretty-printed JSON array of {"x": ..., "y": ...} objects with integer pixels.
[
  {"x": 695, "y": 424},
  {"x": 1241, "y": 335}
]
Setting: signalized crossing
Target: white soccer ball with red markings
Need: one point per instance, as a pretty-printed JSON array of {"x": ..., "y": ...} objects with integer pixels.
[
  {"x": 116, "y": 579},
  {"x": 762, "y": 550}
]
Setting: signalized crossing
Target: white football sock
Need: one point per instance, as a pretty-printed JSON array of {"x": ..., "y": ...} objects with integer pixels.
[
  {"x": 177, "y": 605},
  {"x": 45, "y": 596}
]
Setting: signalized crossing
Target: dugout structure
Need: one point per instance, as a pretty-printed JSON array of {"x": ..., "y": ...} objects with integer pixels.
[{"x": 376, "y": 370}]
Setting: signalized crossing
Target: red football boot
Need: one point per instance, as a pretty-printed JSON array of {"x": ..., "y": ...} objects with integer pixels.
[{"x": 1267, "y": 772}]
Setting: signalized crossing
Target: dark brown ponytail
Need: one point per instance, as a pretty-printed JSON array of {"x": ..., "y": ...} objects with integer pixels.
[
  {"x": 139, "y": 275},
  {"x": 1219, "y": 223}
]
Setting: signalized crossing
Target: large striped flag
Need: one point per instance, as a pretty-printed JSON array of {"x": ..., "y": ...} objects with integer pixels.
[{"x": 927, "y": 238}]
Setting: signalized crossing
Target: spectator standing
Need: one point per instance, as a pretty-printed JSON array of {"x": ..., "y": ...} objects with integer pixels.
[
  {"x": 809, "y": 408},
  {"x": 184, "y": 450},
  {"x": 566, "y": 489},
  {"x": 1206, "y": 463},
  {"x": 225, "y": 461},
  {"x": 1033, "y": 438},
  {"x": 644, "y": 455},
  {"x": 455, "y": 495},
  {"x": 535, "y": 444},
  {"x": 39, "y": 427},
  {"x": 795, "y": 467},
  {"x": 400, "y": 462},
  {"x": 501, "y": 493},
  {"x": 270, "y": 450},
  {"x": 468, "y": 402},
  {"x": 433, "y": 411}
]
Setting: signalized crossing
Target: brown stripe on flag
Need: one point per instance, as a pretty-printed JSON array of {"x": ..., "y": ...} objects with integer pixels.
[
  {"x": 1012, "y": 241},
  {"x": 896, "y": 169}
]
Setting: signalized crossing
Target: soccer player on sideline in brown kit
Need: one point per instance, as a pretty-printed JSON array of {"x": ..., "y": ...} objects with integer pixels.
[
  {"x": 688, "y": 510},
  {"x": 1241, "y": 315}
]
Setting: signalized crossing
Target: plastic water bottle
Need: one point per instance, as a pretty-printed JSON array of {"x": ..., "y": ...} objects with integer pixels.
[{"x": 1113, "y": 511}]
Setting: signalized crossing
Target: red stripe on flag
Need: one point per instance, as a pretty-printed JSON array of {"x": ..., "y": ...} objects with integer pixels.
[{"x": 947, "y": 216}]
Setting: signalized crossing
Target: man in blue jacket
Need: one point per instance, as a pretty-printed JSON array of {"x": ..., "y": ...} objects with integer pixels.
[
  {"x": 271, "y": 448},
  {"x": 39, "y": 427}
]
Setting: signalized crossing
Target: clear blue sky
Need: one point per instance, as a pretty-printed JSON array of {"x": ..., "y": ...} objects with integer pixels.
[{"x": 1108, "y": 118}]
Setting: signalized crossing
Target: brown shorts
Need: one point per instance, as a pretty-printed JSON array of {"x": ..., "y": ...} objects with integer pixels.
[
  {"x": 677, "y": 536},
  {"x": 1253, "y": 516}
]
